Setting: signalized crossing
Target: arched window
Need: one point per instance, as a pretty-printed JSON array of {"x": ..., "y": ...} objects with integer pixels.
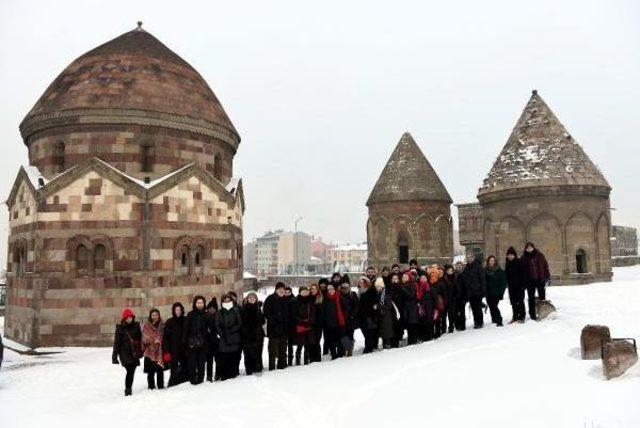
[
  {"x": 198, "y": 258},
  {"x": 581, "y": 261},
  {"x": 19, "y": 260},
  {"x": 99, "y": 259},
  {"x": 184, "y": 259},
  {"x": 82, "y": 260}
]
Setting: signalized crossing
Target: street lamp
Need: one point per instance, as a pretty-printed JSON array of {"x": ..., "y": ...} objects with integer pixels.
[{"x": 295, "y": 244}]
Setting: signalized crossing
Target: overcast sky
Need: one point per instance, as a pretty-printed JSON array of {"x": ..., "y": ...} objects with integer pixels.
[{"x": 320, "y": 92}]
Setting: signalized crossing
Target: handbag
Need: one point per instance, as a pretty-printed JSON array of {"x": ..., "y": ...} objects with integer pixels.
[{"x": 302, "y": 329}]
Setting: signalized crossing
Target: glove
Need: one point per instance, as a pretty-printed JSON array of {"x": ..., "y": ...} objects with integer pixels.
[{"x": 115, "y": 360}]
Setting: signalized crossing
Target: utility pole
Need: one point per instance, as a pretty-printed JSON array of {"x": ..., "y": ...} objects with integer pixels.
[{"x": 295, "y": 244}]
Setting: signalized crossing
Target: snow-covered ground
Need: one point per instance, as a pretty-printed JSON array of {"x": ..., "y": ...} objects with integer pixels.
[{"x": 526, "y": 375}]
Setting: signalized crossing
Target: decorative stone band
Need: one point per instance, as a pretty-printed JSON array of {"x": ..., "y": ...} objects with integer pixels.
[
  {"x": 39, "y": 122},
  {"x": 494, "y": 195}
]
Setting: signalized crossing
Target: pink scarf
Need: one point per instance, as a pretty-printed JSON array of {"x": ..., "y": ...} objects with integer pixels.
[{"x": 153, "y": 350}]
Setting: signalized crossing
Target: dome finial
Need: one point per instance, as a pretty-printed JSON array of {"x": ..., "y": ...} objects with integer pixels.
[{"x": 139, "y": 25}]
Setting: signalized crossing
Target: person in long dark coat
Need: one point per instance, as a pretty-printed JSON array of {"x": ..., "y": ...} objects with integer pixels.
[
  {"x": 252, "y": 334},
  {"x": 389, "y": 314},
  {"x": 196, "y": 331},
  {"x": 212, "y": 340},
  {"x": 437, "y": 284},
  {"x": 397, "y": 296},
  {"x": 323, "y": 283},
  {"x": 173, "y": 345},
  {"x": 475, "y": 283},
  {"x": 334, "y": 321},
  {"x": 461, "y": 297},
  {"x": 127, "y": 347},
  {"x": 315, "y": 354},
  {"x": 496, "y": 284},
  {"x": 278, "y": 315},
  {"x": 514, "y": 269},
  {"x": 537, "y": 276},
  {"x": 304, "y": 315},
  {"x": 229, "y": 327},
  {"x": 450, "y": 291},
  {"x": 410, "y": 307},
  {"x": 291, "y": 335},
  {"x": 369, "y": 314},
  {"x": 349, "y": 301}
]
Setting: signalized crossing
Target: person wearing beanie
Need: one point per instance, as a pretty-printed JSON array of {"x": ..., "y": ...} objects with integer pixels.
[
  {"x": 196, "y": 331},
  {"x": 278, "y": 315},
  {"x": 496, "y": 284},
  {"x": 304, "y": 314},
  {"x": 212, "y": 340},
  {"x": 173, "y": 345},
  {"x": 127, "y": 347},
  {"x": 514, "y": 269},
  {"x": 252, "y": 334},
  {"x": 369, "y": 313},
  {"x": 474, "y": 280}
]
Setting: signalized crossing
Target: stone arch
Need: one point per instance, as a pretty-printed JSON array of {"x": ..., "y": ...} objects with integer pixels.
[
  {"x": 79, "y": 261},
  {"x": 579, "y": 236},
  {"x": 19, "y": 257},
  {"x": 603, "y": 244},
  {"x": 381, "y": 238},
  {"x": 444, "y": 236},
  {"x": 102, "y": 255},
  {"x": 510, "y": 233},
  {"x": 490, "y": 238},
  {"x": 403, "y": 242},
  {"x": 545, "y": 231},
  {"x": 424, "y": 227},
  {"x": 182, "y": 255}
]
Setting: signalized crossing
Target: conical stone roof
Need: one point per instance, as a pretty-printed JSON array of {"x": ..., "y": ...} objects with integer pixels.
[
  {"x": 133, "y": 75},
  {"x": 540, "y": 152},
  {"x": 407, "y": 176}
]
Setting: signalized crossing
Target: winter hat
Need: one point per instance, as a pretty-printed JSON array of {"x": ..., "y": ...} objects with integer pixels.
[
  {"x": 512, "y": 250},
  {"x": 345, "y": 279},
  {"x": 126, "y": 313},
  {"x": 366, "y": 280}
]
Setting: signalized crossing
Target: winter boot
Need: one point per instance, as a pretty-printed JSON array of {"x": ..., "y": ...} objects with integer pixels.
[{"x": 127, "y": 392}]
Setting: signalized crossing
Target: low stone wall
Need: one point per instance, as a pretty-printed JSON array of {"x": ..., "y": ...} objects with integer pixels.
[{"x": 625, "y": 261}]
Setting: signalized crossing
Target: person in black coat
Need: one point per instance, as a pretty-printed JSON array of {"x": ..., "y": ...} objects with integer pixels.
[
  {"x": 172, "y": 343},
  {"x": 127, "y": 347},
  {"x": 349, "y": 302},
  {"x": 196, "y": 331},
  {"x": 291, "y": 335},
  {"x": 514, "y": 270},
  {"x": 537, "y": 276},
  {"x": 315, "y": 353},
  {"x": 278, "y": 315},
  {"x": 410, "y": 308},
  {"x": 304, "y": 315},
  {"x": 475, "y": 284},
  {"x": 461, "y": 298},
  {"x": 450, "y": 291},
  {"x": 397, "y": 296},
  {"x": 369, "y": 314},
  {"x": 389, "y": 314},
  {"x": 252, "y": 334},
  {"x": 212, "y": 340},
  {"x": 229, "y": 327}
]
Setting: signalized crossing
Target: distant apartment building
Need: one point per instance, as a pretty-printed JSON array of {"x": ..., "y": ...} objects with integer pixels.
[
  {"x": 282, "y": 253},
  {"x": 349, "y": 257},
  {"x": 319, "y": 249},
  {"x": 249, "y": 259},
  {"x": 266, "y": 253}
]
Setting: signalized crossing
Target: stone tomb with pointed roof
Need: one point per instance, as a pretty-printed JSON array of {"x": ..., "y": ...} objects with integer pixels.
[
  {"x": 129, "y": 199},
  {"x": 543, "y": 188},
  {"x": 409, "y": 211}
]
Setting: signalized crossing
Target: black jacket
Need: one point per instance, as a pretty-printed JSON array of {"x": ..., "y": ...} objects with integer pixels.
[
  {"x": 474, "y": 280},
  {"x": 330, "y": 313},
  {"x": 410, "y": 308},
  {"x": 389, "y": 314},
  {"x": 515, "y": 275},
  {"x": 252, "y": 322},
  {"x": 397, "y": 295},
  {"x": 350, "y": 310},
  {"x": 304, "y": 311},
  {"x": 229, "y": 327},
  {"x": 277, "y": 312},
  {"x": 197, "y": 330},
  {"x": 172, "y": 339},
  {"x": 122, "y": 350},
  {"x": 369, "y": 310}
]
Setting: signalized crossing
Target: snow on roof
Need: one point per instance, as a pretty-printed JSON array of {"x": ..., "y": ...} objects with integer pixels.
[
  {"x": 34, "y": 175},
  {"x": 233, "y": 184},
  {"x": 351, "y": 247},
  {"x": 151, "y": 183}
]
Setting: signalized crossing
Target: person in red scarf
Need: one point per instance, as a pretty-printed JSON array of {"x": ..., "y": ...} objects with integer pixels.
[
  {"x": 334, "y": 321},
  {"x": 152, "y": 332}
]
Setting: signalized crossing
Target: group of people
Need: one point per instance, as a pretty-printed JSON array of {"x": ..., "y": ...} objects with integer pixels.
[{"x": 322, "y": 319}]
